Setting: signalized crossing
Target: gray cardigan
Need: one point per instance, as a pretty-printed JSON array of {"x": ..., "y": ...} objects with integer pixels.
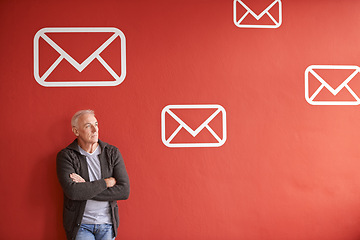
[{"x": 69, "y": 160}]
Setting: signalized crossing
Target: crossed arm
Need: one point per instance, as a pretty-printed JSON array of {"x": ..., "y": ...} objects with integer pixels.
[
  {"x": 110, "y": 182},
  {"x": 75, "y": 187}
]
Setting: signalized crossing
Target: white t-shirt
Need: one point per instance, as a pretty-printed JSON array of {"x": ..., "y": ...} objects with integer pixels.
[{"x": 96, "y": 212}]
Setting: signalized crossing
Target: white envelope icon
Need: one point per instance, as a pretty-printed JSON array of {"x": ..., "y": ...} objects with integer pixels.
[
  {"x": 215, "y": 140},
  {"x": 239, "y": 20},
  {"x": 313, "y": 71},
  {"x": 116, "y": 76}
]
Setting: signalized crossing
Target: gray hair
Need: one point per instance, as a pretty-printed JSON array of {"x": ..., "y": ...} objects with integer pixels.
[{"x": 78, "y": 114}]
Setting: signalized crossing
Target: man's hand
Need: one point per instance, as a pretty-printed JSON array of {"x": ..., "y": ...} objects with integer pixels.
[
  {"x": 76, "y": 178},
  {"x": 110, "y": 182}
]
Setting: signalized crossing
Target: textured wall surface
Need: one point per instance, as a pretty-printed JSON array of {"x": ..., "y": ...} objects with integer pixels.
[{"x": 288, "y": 170}]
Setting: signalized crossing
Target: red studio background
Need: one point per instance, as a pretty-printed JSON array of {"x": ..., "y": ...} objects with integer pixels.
[{"x": 288, "y": 170}]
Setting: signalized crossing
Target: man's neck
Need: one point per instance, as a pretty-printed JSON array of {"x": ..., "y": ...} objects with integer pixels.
[{"x": 90, "y": 148}]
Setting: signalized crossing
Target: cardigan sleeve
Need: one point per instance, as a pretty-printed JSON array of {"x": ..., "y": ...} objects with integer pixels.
[
  {"x": 75, "y": 191},
  {"x": 121, "y": 190}
]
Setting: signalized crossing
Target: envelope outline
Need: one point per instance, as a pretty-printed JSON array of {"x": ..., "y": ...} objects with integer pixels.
[
  {"x": 182, "y": 124},
  {"x": 80, "y": 67},
  {"x": 257, "y": 16},
  {"x": 312, "y": 69}
]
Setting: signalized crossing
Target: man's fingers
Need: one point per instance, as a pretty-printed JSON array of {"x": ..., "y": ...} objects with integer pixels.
[
  {"x": 110, "y": 182},
  {"x": 76, "y": 178}
]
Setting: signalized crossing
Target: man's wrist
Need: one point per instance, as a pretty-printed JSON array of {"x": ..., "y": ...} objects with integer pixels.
[{"x": 110, "y": 182}]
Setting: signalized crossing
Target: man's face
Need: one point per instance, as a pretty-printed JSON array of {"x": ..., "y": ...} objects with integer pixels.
[{"x": 87, "y": 130}]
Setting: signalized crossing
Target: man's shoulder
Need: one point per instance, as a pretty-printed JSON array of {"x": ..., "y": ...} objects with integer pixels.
[
  {"x": 110, "y": 150},
  {"x": 66, "y": 150},
  {"x": 105, "y": 145},
  {"x": 70, "y": 149}
]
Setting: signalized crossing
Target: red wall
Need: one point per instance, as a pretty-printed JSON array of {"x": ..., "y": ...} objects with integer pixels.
[{"x": 288, "y": 169}]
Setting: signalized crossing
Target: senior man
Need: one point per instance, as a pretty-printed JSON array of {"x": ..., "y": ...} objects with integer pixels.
[{"x": 92, "y": 175}]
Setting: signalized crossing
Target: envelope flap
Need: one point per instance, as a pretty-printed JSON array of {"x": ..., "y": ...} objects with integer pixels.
[
  {"x": 194, "y": 117},
  {"x": 258, "y": 7},
  {"x": 341, "y": 96},
  {"x": 65, "y": 72},
  {"x": 202, "y": 137},
  {"x": 334, "y": 77},
  {"x": 79, "y": 45}
]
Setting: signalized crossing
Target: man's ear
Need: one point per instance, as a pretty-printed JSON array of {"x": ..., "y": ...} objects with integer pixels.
[{"x": 75, "y": 131}]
